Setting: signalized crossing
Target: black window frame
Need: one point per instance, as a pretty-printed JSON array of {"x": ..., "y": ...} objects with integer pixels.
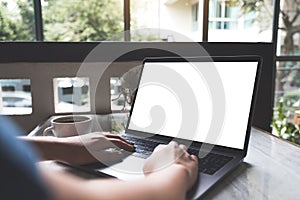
[{"x": 126, "y": 13}]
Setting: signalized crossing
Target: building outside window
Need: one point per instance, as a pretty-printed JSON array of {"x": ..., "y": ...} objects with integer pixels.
[
  {"x": 233, "y": 21},
  {"x": 179, "y": 16},
  {"x": 71, "y": 94},
  {"x": 195, "y": 16},
  {"x": 15, "y": 97}
]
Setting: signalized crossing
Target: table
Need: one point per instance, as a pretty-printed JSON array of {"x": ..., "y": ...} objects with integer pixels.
[{"x": 271, "y": 170}]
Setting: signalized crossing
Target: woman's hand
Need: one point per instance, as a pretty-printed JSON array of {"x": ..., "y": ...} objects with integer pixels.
[
  {"x": 176, "y": 157},
  {"x": 99, "y": 141},
  {"x": 82, "y": 149},
  {"x": 102, "y": 146}
]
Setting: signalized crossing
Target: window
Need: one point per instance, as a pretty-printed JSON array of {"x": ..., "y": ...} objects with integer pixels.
[
  {"x": 98, "y": 20},
  {"x": 287, "y": 99},
  {"x": 123, "y": 89},
  {"x": 195, "y": 16},
  {"x": 289, "y": 28},
  {"x": 288, "y": 84},
  {"x": 168, "y": 19},
  {"x": 71, "y": 94},
  {"x": 222, "y": 15},
  {"x": 117, "y": 99},
  {"x": 15, "y": 97},
  {"x": 120, "y": 100},
  {"x": 16, "y": 20},
  {"x": 240, "y": 21},
  {"x": 288, "y": 73},
  {"x": 80, "y": 20}
]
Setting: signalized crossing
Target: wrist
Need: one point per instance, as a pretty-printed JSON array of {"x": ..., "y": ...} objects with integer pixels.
[
  {"x": 176, "y": 176},
  {"x": 73, "y": 151}
]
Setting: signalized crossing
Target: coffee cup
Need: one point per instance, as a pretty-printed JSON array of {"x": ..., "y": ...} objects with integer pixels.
[{"x": 71, "y": 125}]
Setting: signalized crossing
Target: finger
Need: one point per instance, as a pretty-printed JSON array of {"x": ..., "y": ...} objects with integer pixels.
[
  {"x": 123, "y": 145},
  {"x": 173, "y": 144},
  {"x": 183, "y": 155},
  {"x": 111, "y": 135},
  {"x": 108, "y": 157},
  {"x": 159, "y": 147},
  {"x": 183, "y": 147},
  {"x": 193, "y": 157}
]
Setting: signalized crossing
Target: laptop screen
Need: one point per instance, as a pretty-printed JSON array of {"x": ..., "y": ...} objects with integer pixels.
[{"x": 199, "y": 101}]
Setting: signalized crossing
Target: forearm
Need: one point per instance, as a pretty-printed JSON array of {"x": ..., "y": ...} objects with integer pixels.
[
  {"x": 165, "y": 184},
  {"x": 77, "y": 149},
  {"x": 158, "y": 186},
  {"x": 48, "y": 147},
  {"x": 52, "y": 148}
]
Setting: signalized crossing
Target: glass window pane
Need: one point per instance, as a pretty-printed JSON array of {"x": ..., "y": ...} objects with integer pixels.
[
  {"x": 123, "y": 89},
  {"x": 15, "y": 97},
  {"x": 81, "y": 20},
  {"x": 16, "y": 20},
  {"x": 289, "y": 28},
  {"x": 119, "y": 105},
  {"x": 168, "y": 19},
  {"x": 118, "y": 122},
  {"x": 117, "y": 99},
  {"x": 71, "y": 95},
  {"x": 288, "y": 85},
  {"x": 286, "y": 117},
  {"x": 240, "y": 21}
]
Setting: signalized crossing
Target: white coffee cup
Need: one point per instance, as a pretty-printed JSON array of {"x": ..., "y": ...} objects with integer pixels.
[{"x": 71, "y": 125}]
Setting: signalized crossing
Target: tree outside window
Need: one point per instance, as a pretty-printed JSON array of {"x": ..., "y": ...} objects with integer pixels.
[
  {"x": 82, "y": 20},
  {"x": 16, "y": 20},
  {"x": 288, "y": 71}
]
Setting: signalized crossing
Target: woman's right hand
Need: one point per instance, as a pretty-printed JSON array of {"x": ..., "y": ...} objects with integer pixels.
[{"x": 168, "y": 156}]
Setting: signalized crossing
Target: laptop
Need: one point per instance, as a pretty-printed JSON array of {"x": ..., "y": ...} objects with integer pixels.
[{"x": 205, "y": 103}]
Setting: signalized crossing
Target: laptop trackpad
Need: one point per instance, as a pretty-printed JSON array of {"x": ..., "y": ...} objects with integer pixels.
[{"x": 130, "y": 168}]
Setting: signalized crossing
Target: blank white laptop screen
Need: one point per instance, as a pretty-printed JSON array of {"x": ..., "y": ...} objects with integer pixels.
[{"x": 237, "y": 79}]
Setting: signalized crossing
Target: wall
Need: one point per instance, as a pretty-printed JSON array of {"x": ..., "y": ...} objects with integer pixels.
[{"x": 41, "y": 62}]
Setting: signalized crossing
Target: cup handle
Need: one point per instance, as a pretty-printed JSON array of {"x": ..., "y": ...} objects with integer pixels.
[{"x": 47, "y": 130}]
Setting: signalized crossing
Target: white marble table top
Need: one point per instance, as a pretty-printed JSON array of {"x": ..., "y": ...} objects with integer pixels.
[{"x": 271, "y": 170}]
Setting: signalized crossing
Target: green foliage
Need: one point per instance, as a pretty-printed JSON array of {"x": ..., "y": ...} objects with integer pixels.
[
  {"x": 92, "y": 20},
  {"x": 7, "y": 26},
  {"x": 84, "y": 20},
  {"x": 247, "y": 5},
  {"x": 26, "y": 28},
  {"x": 17, "y": 26},
  {"x": 281, "y": 125},
  {"x": 289, "y": 100}
]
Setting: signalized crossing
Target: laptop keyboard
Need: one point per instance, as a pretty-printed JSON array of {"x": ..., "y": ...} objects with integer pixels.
[
  {"x": 209, "y": 164},
  {"x": 143, "y": 148},
  {"x": 212, "y": 162}
]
